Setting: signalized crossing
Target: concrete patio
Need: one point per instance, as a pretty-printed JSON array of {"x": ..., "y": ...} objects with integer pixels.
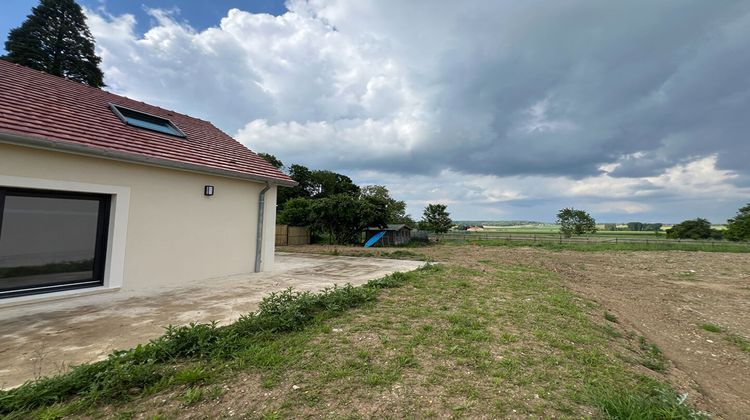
[{"x": 46, "y": 338}]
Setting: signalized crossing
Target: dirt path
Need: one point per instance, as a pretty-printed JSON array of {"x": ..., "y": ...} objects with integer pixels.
[
  {"x": 667, "y": 297},
  {"x": 664, "y": 296}
]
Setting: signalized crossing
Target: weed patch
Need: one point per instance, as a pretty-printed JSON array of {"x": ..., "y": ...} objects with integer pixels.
[
  {"x": 711, "y": 328},
  {"x": 611, "y": 317},
  {"x": 646, "y": 401},
  {"x": 741, "y": 342},
  {"x": 653, "y": 358}
]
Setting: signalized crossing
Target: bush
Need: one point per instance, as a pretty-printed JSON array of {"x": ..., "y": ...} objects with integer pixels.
[
  {"x": 738, "y": 228},
  {"x": 693, "y": 229}
]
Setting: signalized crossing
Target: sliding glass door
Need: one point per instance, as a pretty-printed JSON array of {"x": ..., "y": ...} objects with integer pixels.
[{"x": 51, "y": 240}]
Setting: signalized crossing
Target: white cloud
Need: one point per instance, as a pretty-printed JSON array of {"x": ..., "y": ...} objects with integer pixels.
[{"x": 489, "y": 106}]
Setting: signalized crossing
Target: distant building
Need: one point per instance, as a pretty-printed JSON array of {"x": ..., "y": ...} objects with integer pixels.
[{"x": 394, "y": 235}]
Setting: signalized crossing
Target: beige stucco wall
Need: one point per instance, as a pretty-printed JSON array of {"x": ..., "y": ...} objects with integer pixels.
[{"x": 175, "y": 234}]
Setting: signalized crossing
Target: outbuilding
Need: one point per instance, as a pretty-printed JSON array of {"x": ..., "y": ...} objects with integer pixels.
[
  {"x": 101, "y": 193},
  {"x": 397, "y": 234}
]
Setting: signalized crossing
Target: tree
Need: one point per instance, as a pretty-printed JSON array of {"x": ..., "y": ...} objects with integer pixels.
[
  {"x": 297, "y": 212},
  {"x": 273, "y": 160},
  {"x": 693, "y": 229},
  {"x": 328, "y": 183},
  {"x": 575, "y": 222},
  {"x": 738, "y": 228},
  {"x": 635, "y": 226},
  {"x": 436, "y": 219},
  {"x": 55, "y": 39},
  {"x": 395, "y": 210},
  {"x": 344, "y": 217},
  {"x": 644, "y": 227},
  {"x": 315, "y": 184}
]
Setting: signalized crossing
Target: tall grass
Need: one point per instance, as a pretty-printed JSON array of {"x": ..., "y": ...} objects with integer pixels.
[{"x": 653, "y": 402}]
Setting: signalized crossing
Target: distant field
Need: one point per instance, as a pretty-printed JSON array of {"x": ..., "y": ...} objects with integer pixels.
[
  {"x": 619, "y": 240},
  {"x": 555, "y": 230}
]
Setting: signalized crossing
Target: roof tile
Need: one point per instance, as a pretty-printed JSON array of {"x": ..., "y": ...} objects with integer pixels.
[{"x": 36, "y": 104}]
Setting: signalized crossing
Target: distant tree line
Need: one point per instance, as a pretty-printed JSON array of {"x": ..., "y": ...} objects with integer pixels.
[
  {"x": 738, "y": 228},
  {"x": 634, "y": 227},
  {"x": 577, "y": 222},
  {"x": 644, "y": 227}
]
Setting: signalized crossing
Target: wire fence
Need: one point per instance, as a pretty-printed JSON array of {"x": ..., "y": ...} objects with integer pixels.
[{"x": 560, "y": 239}]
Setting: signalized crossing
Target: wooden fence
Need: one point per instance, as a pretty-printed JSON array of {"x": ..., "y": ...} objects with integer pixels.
[{"x": 292, "y": 235}]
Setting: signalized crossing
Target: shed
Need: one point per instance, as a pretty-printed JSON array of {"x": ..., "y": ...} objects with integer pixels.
[
  {"x": 394, "y": 234},
  {"x": 102, "y": 193}
]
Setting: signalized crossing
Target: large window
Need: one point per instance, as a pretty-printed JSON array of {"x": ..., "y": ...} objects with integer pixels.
[{"x": 51, "y": 240}]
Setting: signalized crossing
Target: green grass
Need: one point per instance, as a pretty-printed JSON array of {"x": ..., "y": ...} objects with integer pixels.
[
  {"x": 444, "y": 341},
  {"x": 611, "y": 317},
  {"x": 555, "y": 231},
  {"x": 741, "y": 342},
  {"x": 611, "y": 246},
  {"x": 653, "y": 358},
  {"x": 711, "y": 328},
  {"x": 654, "y": 402},
  {"x": 192, "y": 396}
]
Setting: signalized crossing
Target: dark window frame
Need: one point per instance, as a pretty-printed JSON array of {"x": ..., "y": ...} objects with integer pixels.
[
  {"x": 118, "y": 110},
  {"x": 100, "y": 247}
]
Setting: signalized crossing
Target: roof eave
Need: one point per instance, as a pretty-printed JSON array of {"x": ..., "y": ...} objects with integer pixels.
[{"x": 57, "y": 145}]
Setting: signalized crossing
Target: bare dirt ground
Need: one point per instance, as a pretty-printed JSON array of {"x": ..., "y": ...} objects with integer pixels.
[{"x": 664, "y": 296}]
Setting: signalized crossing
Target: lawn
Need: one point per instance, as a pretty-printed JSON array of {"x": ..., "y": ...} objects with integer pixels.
[{"x": 483, "y": 338}]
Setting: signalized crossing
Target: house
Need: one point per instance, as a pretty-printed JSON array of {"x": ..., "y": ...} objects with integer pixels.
[
  {"x": 99, "y": 192},
  {"x": 394, "y": 235}
]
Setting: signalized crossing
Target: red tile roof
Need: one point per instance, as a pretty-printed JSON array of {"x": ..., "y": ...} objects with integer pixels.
[{"x": 70, "y": 115}]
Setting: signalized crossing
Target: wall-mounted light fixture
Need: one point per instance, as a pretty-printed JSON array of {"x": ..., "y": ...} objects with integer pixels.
[{"x": 208, "y": 190}]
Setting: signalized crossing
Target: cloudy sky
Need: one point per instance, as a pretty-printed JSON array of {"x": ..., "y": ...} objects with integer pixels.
[{"x": 633, "y": 110}]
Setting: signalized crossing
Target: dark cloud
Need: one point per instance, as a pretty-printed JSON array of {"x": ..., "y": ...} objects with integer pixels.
[{"x": 612, "y": 94}]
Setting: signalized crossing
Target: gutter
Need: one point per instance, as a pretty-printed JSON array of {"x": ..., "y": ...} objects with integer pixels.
[
  {"x": 61, "y": 146},
  {"x": 259, "y": 236}
]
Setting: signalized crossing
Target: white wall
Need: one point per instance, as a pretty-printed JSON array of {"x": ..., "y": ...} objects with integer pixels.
[{"x": 174, "y": 234}]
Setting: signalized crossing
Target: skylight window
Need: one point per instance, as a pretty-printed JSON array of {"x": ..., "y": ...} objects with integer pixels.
[{"x": 147, "y": 121}]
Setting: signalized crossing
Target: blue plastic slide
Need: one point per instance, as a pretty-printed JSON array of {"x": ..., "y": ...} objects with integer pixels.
[{"x": 374, "y": 239}]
